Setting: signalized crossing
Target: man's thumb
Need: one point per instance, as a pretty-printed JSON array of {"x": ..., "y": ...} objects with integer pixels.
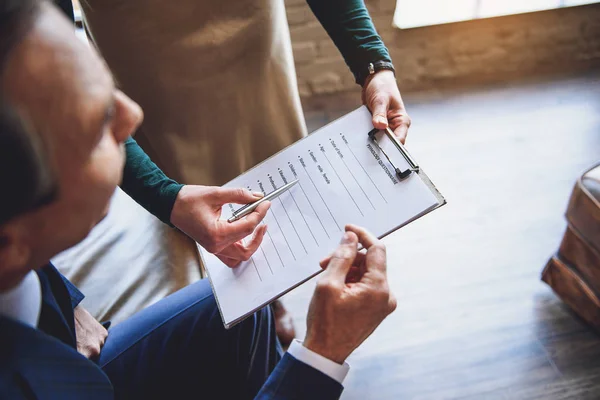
[{"x": 343, "y": 257}]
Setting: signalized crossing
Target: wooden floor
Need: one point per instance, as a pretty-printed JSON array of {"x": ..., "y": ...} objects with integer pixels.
[{"x": 474, "y": 321}]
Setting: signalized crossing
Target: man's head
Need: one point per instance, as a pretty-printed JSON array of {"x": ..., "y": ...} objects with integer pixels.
[{"x": 61, "y": 112}]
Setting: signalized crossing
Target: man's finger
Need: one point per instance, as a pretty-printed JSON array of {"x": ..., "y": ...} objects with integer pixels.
[
  {"x": 379, "y": 107},
  {"x": 222, "y": 196},
  {"x": 366, "y": 238},
  {"x": 354, "y": 275},
  {"x": 237, "y": 230},
  {"x": 376, "y": 259},
  {"x": 392, "y": 303},
  {"x": 358, "y": 260},
  {"x": 342, "y": 258},
  {"x": 325, "y": 261}
]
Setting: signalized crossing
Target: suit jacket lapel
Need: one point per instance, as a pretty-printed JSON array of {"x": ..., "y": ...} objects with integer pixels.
[{"x": 56, "y": 317}]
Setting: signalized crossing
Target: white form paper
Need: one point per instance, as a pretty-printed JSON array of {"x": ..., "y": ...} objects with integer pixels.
[{"x": 343, "y": 178}]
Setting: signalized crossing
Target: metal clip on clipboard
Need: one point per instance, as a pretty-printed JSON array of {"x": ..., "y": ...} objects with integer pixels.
[{"x": 413, "y": 167}]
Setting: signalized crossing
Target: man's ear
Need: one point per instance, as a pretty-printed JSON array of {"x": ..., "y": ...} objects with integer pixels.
[{"x": 15, "y": 253}]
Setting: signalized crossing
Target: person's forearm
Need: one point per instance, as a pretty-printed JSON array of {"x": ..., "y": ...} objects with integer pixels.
[
  {"x": 147, "y": 184},
  {"x": 350, "y": 27}
]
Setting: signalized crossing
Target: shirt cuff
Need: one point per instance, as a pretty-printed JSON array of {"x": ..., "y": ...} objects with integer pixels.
[{"x": 330, "y": 368}]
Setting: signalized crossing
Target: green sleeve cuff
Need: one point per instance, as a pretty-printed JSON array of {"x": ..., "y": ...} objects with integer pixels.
[{"x": 147, "y": 184}]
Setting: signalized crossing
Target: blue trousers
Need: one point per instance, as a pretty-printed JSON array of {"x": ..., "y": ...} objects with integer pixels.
[{"x": 179, "y": 349}]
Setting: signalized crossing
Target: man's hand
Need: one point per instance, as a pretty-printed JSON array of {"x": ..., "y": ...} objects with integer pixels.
[
  {"x": 197, "y": 210},
  {"x": 90, "y": 333},
  {"x": 352, "y": 297},
  {"x": 381, "y": 95}
]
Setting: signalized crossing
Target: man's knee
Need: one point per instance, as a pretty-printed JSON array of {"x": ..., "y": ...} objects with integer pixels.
[
  {"x": 265, "y": 315},
  {"x": 259, "y": 327},
  {"x": 264, "y": 319}
]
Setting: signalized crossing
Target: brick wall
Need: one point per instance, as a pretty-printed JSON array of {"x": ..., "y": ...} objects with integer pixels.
[{"x": 464, "y": 53}]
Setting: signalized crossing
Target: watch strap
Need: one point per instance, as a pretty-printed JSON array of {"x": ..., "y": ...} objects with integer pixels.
[{"x": 372, "y": 68}]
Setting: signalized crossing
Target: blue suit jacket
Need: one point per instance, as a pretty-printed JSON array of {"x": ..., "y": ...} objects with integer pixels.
[{"x": 44, "y": 363}]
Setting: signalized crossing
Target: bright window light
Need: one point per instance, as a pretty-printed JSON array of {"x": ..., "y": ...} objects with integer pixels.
[{"x": 415, "y": 13}]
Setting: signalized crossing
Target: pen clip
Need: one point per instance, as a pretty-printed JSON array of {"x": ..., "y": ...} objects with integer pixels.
[
  {"x": 240, "y": 211},
  {"x": 244, "y": 207}
]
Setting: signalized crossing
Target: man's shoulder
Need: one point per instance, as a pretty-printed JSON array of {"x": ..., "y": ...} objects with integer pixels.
[{"x": 36, "y": 365}]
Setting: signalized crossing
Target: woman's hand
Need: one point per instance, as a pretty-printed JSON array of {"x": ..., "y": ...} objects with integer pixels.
[
  {"x": 381, "y": 95},
  {"x": 197, "y": 212}
]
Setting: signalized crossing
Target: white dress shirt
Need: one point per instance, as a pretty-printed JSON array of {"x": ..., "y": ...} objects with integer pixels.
[
  {"x": 23, "y": 302},
  {"x": 318, "y": 362}
]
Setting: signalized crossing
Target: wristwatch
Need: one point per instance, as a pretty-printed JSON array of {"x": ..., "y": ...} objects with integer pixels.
[{"x": 372, "y": 68}]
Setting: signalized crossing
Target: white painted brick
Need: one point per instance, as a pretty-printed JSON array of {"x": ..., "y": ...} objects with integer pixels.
[
  {"x": 304, "y": 89},
  {"x": 304, "y": 52},
  {"x": 289, "y": 3},
  {"x": 312, "y": 31},
  {"x": 484, "y": 50},
  {"x": 329, "y": 82},
  {"x": 299, "y": 15}
]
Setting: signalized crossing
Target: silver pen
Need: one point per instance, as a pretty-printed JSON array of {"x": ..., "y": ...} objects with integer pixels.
[{"x": 248, "y": 208}]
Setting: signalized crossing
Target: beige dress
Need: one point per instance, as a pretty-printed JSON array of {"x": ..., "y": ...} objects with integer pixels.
[
  {"x": 217, "y": 83},
  {"x": 216, "y": 80}
]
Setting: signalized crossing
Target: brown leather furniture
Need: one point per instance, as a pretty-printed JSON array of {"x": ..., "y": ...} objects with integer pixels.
[{"x": 574, "y": 271}]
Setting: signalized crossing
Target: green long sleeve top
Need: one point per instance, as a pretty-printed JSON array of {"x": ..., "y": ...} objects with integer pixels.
[
  {"x": 147, "y": 184},
  {"x": 350, "y": 27}
]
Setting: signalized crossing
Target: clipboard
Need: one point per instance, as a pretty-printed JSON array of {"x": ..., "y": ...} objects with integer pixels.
[{"x": 348, "y": 172}]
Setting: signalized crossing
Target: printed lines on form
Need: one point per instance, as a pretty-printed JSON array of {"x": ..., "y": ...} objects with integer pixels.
[
  {"x": 319, "y": 193},
  {"x": 355, "y": 180},
  {"x": 363, "y": 168},
  {"x": 341, "y": 181}
]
